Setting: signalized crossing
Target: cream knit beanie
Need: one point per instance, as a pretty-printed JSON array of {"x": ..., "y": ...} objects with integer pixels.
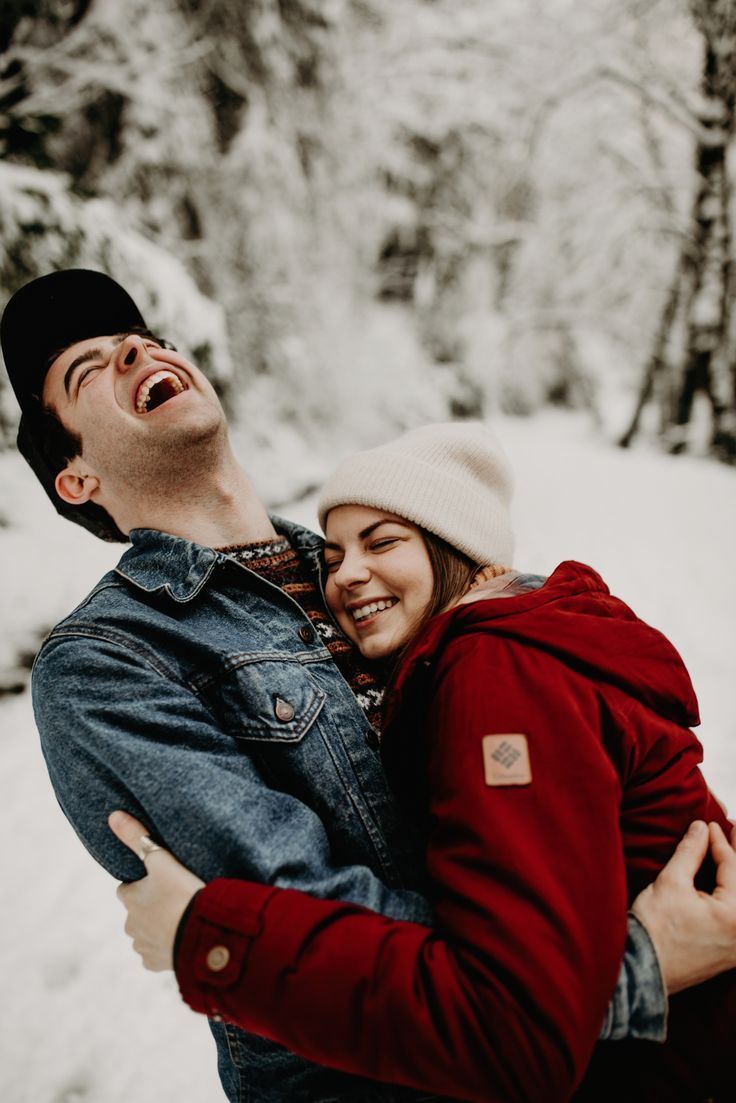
[{"x": 451, "y": 479}]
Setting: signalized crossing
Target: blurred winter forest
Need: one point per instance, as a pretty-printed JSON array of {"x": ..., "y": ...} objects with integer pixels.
[{"x": 358, "y": 215}]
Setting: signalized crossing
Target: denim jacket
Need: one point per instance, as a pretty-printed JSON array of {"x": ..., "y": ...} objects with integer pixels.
[{"x": 194, "y": 694}]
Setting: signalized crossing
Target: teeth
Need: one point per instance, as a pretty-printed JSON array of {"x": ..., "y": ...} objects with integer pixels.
[
  {"x": 373, "y": 607},
  {"x": 141, "y": 400}
]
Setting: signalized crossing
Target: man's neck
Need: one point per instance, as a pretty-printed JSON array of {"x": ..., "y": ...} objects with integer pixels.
[{"x": 218, "y": 510}]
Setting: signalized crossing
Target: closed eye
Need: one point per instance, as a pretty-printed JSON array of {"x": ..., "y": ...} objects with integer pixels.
[
  {"x": 386, "y": 542},
  {"x": 82, "y": 374},
  {"x": 85, "y": 375},
  {"x": 332, "y": 565}
]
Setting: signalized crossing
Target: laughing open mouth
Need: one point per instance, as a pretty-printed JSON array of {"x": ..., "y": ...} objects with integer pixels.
[{"x": 157, "y": 389}]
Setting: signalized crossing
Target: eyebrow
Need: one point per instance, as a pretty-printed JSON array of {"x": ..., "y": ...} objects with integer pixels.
[
  {"x": 367, "y": 531},
  {"x": 85, "y": 357}
]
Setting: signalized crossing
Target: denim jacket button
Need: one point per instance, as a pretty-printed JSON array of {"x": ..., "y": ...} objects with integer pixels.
[
  {"x": 284, "y": 711},
  {"x": 217, "y": 958},
  {"x": 306, "y": 633},
  {"x": 371, "y": 739}
]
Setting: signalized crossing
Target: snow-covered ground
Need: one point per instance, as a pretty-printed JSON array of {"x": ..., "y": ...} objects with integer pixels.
[{"x": 82, "y": 1021}]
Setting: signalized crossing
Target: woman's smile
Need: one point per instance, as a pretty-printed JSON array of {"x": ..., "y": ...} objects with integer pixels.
[{"x": 365, "y": 613}]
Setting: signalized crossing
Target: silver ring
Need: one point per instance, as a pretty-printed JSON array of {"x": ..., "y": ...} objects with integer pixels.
[{"x": 147, "y": 847}]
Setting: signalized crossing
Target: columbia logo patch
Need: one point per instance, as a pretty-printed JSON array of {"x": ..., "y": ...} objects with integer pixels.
[{"x": 506, "y": 759}]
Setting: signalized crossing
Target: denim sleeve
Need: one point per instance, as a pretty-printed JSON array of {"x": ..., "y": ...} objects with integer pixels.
[
  {"x": 117, "y": 732},
  {"x": 638, "y": 1008}
]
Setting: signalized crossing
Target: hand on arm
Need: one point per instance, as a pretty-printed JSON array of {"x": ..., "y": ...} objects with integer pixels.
[
  {"x": 694, "y": 932},
  {"x": 156, "y": 903}
]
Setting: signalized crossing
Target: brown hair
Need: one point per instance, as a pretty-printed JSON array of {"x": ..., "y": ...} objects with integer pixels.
[{"x": 452, "y": 575}]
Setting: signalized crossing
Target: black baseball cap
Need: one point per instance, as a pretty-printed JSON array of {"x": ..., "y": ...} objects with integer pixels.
[{"x": 40, "y": 320}]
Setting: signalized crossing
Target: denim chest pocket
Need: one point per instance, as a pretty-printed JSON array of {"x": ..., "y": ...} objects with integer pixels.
[{"x": 270, "y": 699}]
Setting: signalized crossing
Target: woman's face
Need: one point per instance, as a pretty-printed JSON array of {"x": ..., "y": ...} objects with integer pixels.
[{"x": 379, "y": 577}]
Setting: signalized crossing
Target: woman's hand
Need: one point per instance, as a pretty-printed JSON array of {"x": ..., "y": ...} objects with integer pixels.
[
  {"x": 156, "y": 903},
  {"x": 694, "y": 933}
]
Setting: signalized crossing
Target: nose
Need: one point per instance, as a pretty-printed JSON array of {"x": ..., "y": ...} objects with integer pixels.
[
  {"x": 353, "y": 572},
  {"x": 129, "y": 352}
]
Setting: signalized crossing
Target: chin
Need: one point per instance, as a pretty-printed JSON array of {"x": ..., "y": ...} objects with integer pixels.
[{"x": 377, "y": 649}]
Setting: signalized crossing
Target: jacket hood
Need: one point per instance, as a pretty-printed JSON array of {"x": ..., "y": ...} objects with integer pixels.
[{"x": 574, "y": 618}]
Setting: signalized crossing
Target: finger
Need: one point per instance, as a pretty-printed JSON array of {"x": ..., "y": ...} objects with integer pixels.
[
  {"x": 689, "y": 854},
  {"x": 723, "y": 856},
  {"x": 126, "y": 894},
  {"x": 128, "y": 829}
]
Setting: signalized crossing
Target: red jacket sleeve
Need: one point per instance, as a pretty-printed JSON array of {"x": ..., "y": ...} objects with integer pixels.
[{"x": 503, "y": 1001}]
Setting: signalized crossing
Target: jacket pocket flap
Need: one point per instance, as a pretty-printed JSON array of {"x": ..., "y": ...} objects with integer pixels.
[{"x": 272, "y": 699}]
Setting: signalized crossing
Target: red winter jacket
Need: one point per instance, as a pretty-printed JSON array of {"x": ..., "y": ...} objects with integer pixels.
[{"x": 531, "y": 865}]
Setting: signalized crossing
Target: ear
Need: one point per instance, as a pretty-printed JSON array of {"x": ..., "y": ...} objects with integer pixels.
[{"x": 74, "y": 488}]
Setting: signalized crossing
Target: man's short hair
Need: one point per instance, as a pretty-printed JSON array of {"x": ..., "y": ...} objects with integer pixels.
[{"x": 43, "y": 435}]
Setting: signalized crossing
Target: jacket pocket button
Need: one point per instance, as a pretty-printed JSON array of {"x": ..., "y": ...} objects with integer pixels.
[
  {"x": 284, "y": 711},
  {"x": 217, "y": 958},
  {"x": 371, "y": 739},
  {"x": 306, "y": 633}
]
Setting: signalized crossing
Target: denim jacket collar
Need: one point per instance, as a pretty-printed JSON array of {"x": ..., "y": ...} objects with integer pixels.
[{"x": 158, "y": 561}]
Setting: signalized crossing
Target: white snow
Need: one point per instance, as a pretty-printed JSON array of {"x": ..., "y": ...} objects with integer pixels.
[{"x": 82, "y": 1020}]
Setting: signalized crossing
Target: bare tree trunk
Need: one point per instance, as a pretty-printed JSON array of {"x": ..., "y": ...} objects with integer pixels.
[
  {"x": 707, "y": 308},
  {"x": 657, "y": 365},
  {"x": 701, "y": 291}
]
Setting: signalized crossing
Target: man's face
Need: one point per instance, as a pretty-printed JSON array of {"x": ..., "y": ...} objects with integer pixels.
[{"x": 143, "y": 412}]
